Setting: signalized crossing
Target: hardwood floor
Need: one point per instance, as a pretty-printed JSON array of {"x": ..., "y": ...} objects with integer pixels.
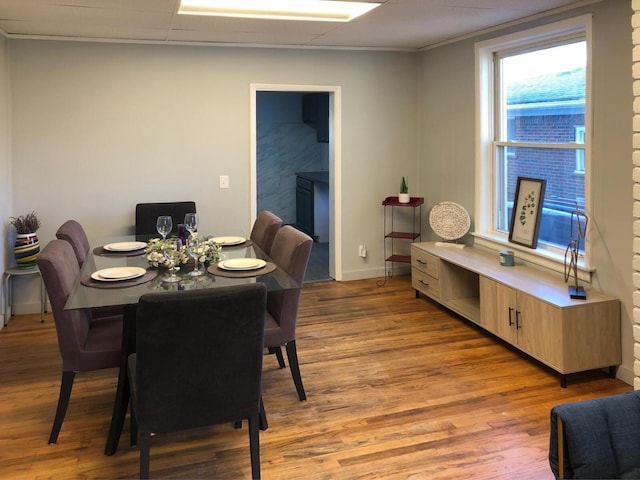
[{"x": 397, "y": 388}]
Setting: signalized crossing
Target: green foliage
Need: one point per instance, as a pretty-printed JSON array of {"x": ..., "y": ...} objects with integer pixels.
[{"x": 404, "y": 188}]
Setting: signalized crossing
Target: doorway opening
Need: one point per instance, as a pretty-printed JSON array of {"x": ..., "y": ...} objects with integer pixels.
[{"x": 295, "y": 167}]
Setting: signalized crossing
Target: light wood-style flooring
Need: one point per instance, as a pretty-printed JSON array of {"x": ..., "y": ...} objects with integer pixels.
[{"x": 397, "y": 389}]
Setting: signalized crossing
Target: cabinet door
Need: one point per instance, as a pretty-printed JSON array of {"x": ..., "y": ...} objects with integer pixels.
[
  {"x": 540, "y": 330},
  {"x": 498, "y": 309}
]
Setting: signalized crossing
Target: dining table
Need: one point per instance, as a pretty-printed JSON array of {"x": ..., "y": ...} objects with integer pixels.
[{"x": 128, "y": 254}]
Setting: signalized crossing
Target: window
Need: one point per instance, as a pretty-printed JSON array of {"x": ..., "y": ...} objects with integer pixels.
[
  {"x": 580, "y": 151},
  {"x": 533, "y": 121}
]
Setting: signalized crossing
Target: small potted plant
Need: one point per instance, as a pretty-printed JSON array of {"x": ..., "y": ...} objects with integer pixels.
[
  {"x": 27, "y": 246},
  {"x": 404, "y": 197}
]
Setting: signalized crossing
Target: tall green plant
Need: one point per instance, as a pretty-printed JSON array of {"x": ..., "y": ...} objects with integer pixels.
[{"x": 404, "y": 188}]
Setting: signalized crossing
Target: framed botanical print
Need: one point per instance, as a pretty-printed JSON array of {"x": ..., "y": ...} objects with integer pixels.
[{"x": 527, "y": 210}]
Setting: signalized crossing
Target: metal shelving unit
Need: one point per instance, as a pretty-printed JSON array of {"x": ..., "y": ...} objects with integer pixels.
[{"x": 390, "y": 235}]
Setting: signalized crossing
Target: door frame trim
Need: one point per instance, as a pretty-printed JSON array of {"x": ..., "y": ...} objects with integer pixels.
[{"x": 335, "y": 162}]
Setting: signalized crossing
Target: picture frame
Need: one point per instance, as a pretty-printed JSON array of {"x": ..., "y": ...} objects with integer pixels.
[{"x": 526, "y": 212}]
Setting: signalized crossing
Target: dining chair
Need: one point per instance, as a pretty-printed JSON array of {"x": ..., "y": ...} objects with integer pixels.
[
  {"x": 290, "y": 252},
  {"x": 72, "y": 232},
  {"x": 148, "y": 213},
  {"x": 264, "y": 230},
  {"x": 85, "y": 344},
  {"x": 198, "y": 362}
]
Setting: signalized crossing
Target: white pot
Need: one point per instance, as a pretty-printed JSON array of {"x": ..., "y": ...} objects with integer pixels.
[{"x": 404, "y": 198}]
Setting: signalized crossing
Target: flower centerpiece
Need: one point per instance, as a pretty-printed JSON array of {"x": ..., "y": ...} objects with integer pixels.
[{"x": 208, "y": 251}]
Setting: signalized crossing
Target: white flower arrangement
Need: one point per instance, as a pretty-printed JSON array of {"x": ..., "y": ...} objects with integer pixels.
[{"x": 207, "y": 250}]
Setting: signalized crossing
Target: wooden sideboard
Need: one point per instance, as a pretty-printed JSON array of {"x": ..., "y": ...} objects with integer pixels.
[{"x": 524, "y": 306}]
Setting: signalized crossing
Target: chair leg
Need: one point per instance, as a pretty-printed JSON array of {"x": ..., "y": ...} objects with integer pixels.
[
  {"x": 263, "y": 416},
  {"x": 292, "y": 355},
  {"x": 134, "y": 424},
  {"x": 144, "y": 441},
  {"x": 254, "y": 446},
  {"x": 63, "y": 402},
  {"x": 277, "y": 351}
]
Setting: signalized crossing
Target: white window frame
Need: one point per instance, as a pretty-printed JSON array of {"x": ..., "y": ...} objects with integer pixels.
[
  {"x": 485, "y": 165},
  {"x": 580, "y": 139}
]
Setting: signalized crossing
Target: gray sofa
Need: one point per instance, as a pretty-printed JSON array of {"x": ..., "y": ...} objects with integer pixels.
[{"x": 597, "y": 438}]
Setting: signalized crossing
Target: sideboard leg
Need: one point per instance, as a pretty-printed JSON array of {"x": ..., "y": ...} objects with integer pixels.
[{"x": 563, "y": 381}]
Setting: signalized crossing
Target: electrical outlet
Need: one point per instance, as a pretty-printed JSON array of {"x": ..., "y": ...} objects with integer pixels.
[
  {"x": 224, "y": 181},
  {"x": 362, "y": 251}
]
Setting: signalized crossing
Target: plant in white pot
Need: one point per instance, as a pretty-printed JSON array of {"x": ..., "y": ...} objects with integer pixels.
[
  {"x": 27, "y": 246},
  {"x": 403, "y": 196}
]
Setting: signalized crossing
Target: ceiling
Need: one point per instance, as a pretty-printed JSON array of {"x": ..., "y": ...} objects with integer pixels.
[{"x": 396, "y": 24}]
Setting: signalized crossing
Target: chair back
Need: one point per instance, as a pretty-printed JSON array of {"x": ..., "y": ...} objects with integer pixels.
[
  {"x": 59, "y": 268},
  {"x": 290, "y": 252},
  {"x": 148, "y": 213},
  {"x": 264, "y": 230},
  {"x": 72, "y": 232},
  {"x": 199, "y": 357}
]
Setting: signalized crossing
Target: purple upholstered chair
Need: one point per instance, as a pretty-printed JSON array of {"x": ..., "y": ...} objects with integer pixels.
[
  {"x": 85, "y": 344},
  {"x": 264, "y": 230},
  {"x": 72, "y": 232},
  {"x": 198, "y": 362},
  {"x": 291, "y": 250}
]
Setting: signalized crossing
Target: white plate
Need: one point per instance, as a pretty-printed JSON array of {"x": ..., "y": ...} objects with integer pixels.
[
  {"x": 118, "y": 273},
  {"x": 124, "y": 246},
  {"x": 229, "y": 240},
  {"x": 242, "y": 264}
]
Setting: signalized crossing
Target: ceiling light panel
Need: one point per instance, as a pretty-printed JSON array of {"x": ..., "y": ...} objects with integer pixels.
[{"x": 309, "y": 10}]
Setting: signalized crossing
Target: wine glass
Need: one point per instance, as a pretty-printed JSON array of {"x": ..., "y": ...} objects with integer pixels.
[
  {"x": 191, "y": 223},
  {"x": 164, "y": 224},
  {"x": 171, "y": 251},
  {"x": 193, "y": 248}
]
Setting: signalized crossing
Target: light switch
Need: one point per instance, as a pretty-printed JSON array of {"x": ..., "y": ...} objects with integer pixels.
[{"x": 224, "y": 181}]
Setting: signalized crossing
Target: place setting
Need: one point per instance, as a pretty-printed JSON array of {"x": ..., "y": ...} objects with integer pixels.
[
  {"x": 227, "y": 242},
  {"x": 119, "y": 277},
  {"x": 241, "y": 267},
  {"x": 121, "y": 249}
]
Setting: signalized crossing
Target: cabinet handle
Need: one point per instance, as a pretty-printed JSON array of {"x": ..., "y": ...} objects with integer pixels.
[
  {"x": 424, "y": 283},
  {"x": 518, "y": 322},
  {"x": 421, "y": 261},
  {"x": 510, "y": 316}
]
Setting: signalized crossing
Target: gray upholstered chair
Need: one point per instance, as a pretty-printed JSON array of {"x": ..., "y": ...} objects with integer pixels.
[
  {"x": 72, "y": 232},
  {"x": 264, "y": 230},
  {"x": 198, "y": 362},
  {"x": 148, "y": 213},
  {"x": 85, "y": 344},
  {"x": 596, "y": 438},
  {"x": 291, "y": 250}
]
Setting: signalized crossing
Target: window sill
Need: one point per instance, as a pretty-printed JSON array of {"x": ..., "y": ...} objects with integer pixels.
[{"x": 538, "y": 257}]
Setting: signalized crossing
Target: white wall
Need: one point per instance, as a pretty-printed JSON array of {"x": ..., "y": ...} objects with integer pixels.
[
  {"x": 98, "y": 128},
  {"x": 448, "y": 140},
  {"x": 5, "y": 159}
]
